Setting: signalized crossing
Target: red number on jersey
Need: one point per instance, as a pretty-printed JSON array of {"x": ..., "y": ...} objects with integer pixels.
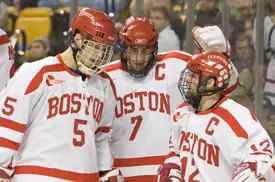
[
  {"x": 263, "y": 146},
  {"x": 9, "y": 109},
  {"x": 193, "y": 174},
  {"x": 137, "y": 121},
  {"x": 79, "y": 132}
]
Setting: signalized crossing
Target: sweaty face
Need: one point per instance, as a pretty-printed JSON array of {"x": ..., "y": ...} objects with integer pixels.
[
  {"x": 188, "y": 86},
  {"x": 191, "y": 81},
  {"x": 138, "y": 57},
  {"x": 93, "y": 56}
]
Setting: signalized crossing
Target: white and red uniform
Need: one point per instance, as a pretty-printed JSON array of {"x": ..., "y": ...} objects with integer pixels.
[
  {"x": 53, "y": 125},
  {"x": 6, "y": 59},
  {"x": 210, "y": 144},
  {"x": 141, "y": 129}
]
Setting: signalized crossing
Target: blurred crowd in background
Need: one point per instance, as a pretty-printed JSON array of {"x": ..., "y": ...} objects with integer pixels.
[{"x": 44, "y": 28}]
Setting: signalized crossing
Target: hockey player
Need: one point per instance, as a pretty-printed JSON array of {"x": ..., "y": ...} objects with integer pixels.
[
  {"x": 214, "y": 138},
  {"x": 6, "y": 59},
  {"x": 53, "y": 113},
  {"x": 147, "y": 93}
]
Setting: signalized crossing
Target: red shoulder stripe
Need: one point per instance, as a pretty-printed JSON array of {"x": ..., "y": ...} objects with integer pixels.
[
  {"x": 4, "y": 39},
  {"x": 179, "y": 55},
  {"x": 231, "y": 121},
  {"x": 183, "y": 105},
  {"x": 253, "y": 116},
  {"x": 114, "y": 66},
  {"x": 105, "y": 75},
  {"x": 38, "y": 78}
]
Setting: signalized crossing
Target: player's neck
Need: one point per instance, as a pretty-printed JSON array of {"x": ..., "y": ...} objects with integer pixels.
[
  {"x": 208, "y": 102},
  {"x": 67, "y": 57}
]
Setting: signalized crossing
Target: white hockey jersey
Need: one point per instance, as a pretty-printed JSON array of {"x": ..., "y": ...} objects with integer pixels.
[
  {"x": 53, "y": 125},
  {"x": 212, "y": 143},
  {"x": 141, "y": 129},
  {"x": 6, "y": 59}
]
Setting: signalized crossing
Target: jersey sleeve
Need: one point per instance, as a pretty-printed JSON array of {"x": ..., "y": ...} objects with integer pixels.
[
  {"x": 241, "y": 137},
  {"x": 104, "y": 128},
  {"x": 6, "y": 59},
  {"x": 174, "y": 144},
  {"x": 16, "y": 103},
  {"x": 176, "y": 62}
]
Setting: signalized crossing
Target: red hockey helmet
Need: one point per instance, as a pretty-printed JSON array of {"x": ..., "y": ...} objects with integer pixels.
[
  {"x": 98, "y": 36},
  {"x": 200, "y": 69},
  {"x": 138, "y": 33},
  {"x": 95, "y": 25}
]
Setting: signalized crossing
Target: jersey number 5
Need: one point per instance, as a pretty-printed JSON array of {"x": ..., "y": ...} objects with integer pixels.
[
  {"x": 137, "y": 121},
  {"x": 9, "y": 109},
  {"x": 79, "y": 132}
]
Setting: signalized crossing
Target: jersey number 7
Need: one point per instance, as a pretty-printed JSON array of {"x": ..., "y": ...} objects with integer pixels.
[{"x": 137, "y": 121}]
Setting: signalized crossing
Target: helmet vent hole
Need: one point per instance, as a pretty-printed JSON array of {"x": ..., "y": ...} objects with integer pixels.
[
  {"x": 195, "y": 65},
  {"x": 99, "y": 34}
]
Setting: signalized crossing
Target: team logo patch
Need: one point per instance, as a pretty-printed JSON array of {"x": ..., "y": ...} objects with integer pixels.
[
  {"x": 50, "y": 80},
  {"x": 177, "y": 116},
  {"x": 87, "y": 14},
  {"x": 140, "y": 41}
]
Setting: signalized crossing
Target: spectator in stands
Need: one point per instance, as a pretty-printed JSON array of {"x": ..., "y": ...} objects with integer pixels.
[
  {"x": 244, "y": 9},
  {"x": 243, "y": 61},
  {"x": 168, "y": 40},
  {"x": 147, "y": 5},
  {"x": 164, "y": 3},
  {"x": 208, "y": 13},
  {"x": 4, "y": 16},
  {"x": 98, "y": 4},
  {"x": 242, "y": 53},
  {"x": 21, "y": 4},
  {"x": 39, "y": 49},
  {"x": 54, "y": 4},
  {"x": 175, "y": 21},
  {"x": 245, "y": 18}
]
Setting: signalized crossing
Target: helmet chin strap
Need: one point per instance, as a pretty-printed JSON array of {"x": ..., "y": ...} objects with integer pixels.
[
  {"x": 195, "y": 101},
  {"x": 75, "y": 49}
]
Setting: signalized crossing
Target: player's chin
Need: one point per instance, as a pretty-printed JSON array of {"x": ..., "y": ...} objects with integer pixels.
[{"x": 138, "y": 67}]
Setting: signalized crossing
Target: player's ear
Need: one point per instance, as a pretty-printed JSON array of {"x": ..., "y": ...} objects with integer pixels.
[
  {"x": 77, "y": 38},
  {"x": 210, "y": 84}
]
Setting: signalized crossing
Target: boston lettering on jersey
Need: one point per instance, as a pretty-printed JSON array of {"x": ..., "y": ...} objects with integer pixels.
[
  {"x": 190, "y": 142},
  {"x": 72, "y": 104},
  {"x": 141, "y": 101}
]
